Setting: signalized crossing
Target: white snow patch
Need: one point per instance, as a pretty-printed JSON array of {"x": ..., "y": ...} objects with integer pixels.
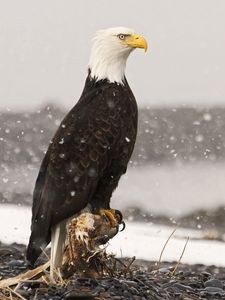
[
  {"x": 145, "y": 241},
  {"x": 15, "y": 224}
]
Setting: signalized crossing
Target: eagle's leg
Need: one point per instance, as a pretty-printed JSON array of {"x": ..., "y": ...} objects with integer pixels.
[
  {"x": 101, "y": 199},
  {"x": 114, "y": 216}
]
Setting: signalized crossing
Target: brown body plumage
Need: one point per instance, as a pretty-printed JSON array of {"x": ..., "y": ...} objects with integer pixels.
[{"x": 85, "y": 160}]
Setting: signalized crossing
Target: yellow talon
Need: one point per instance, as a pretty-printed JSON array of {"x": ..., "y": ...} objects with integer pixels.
[{"x": 109, "y": 214}]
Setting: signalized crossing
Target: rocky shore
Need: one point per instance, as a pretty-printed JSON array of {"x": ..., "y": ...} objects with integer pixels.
[{"x": 130, "y": 279}]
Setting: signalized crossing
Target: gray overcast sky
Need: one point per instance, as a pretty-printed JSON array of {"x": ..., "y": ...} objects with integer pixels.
[{"x": 45, "y": 45}]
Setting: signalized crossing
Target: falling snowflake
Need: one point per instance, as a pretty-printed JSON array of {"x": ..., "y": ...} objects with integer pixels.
[{"x": 207, "y": 117}]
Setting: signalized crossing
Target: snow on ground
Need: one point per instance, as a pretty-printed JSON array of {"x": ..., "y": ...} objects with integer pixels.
[
  {"x": 14, "y": 224},
  {"x": 145, "y": 241}
]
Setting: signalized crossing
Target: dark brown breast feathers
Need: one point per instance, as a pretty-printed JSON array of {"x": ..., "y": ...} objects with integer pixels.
[{"x": 95, "y": 140}]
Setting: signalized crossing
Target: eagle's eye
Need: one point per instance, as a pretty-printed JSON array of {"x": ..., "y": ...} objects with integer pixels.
[{"x": 121, "y": 36}]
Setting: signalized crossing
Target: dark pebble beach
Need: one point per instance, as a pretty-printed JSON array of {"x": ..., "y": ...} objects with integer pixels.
[{"x": 138, "y": 281}]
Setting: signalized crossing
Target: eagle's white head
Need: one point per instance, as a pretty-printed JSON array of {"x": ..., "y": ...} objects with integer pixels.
[{"x": 110, "y": 50}]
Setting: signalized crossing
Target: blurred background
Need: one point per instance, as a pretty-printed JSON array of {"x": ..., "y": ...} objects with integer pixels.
[{"x": 177, "y": 172}]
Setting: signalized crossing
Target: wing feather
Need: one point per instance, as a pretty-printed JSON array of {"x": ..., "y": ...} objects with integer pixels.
[{"x": 74, "y": 163}]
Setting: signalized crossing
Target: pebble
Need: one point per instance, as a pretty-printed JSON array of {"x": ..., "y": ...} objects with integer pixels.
[
  {"x": 214, "y": 290},
  {"x": 74, "y": 295},
  {"x": 130, "y": 283},
  {"x": 182, "y": 287},
  {"x": 164, "y": 270},
  {"x": 214, "y": 283},
  {"x": 16, "y": 263},
  {"x": 189, "y": 283},
  {"x": 206, "y": 274}
]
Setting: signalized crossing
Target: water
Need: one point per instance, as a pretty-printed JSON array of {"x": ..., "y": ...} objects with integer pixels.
[
  {"x": 173, "y": 190},
  {"x": 167, "y": 189}
]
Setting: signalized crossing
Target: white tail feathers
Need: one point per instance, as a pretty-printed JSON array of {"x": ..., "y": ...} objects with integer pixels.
[
  {"x": 58, "y": 242},
  {"x": 58, "y": 239}
]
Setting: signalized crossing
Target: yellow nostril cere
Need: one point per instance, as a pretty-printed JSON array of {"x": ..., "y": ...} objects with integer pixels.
[{"x": 137, "y": 41}]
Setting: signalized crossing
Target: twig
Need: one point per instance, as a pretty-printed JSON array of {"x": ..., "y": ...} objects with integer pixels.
[
  {"x": 17, "y": 286},
  {"x": 118, "y": 260},
  {"x": 45, "y": 253},
  {"x": 14, "y": 292},
  {"x": 114, "y": 266},
  {"x": 58, "y": 279},
  {"x": 109, "y": 271},
  {"x": 160, "y": 257},
  {"x": 129, "y": 265},
  {"x": 28, "y": 275},
  {"x": 121, "y": 253},
  {"x": 177, "y": 264},
  {"x": 30, "y": 281}
]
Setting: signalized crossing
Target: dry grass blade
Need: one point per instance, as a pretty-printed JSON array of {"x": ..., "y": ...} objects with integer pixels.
[
  {"x": 55, "y": 279},
  {"x": 15, "y": 293},
  {"x": 160, "y": 257},
  {"x": 5, "y": 283},
  {"x": 126, "y": 268},
  {"x": 129, "y": 265},
  {"x": 120, "y": 262},
  {"x": 45, "y": 254},
  {"x": 60, "y": 281},
  {"x": 177, "y": 264}
]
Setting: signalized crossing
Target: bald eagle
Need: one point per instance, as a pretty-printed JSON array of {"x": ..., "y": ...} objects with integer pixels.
[{"x": 91, "y": 148}]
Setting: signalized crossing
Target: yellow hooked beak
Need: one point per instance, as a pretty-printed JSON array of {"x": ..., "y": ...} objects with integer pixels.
[{"x": 136, "y": 41}]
